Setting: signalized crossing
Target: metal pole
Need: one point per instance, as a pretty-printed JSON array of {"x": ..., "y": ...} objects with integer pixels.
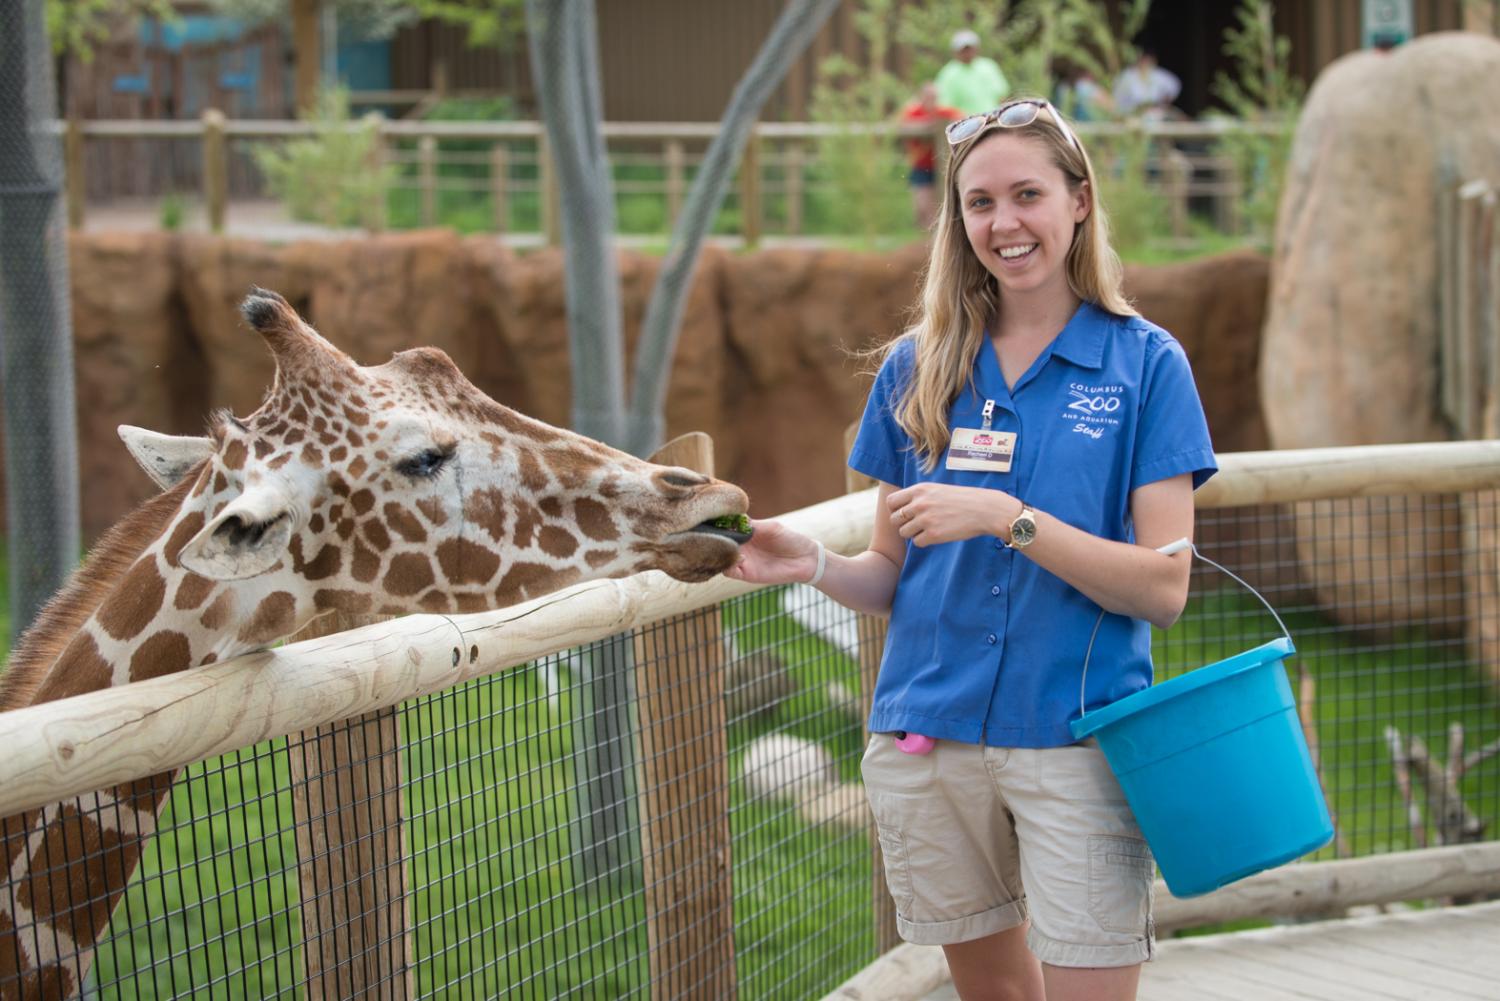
[{"x": 36, "y": 353}]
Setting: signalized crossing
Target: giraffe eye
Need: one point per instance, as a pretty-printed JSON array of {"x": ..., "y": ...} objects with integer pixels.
[{"x": 425, "y": 464}]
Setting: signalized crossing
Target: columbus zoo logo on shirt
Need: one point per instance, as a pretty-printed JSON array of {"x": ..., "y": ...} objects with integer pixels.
[{"x": 1093, "y": 408}]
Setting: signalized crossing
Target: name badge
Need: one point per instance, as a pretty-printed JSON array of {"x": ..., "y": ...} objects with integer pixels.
[{"x": 981, "y": 449}]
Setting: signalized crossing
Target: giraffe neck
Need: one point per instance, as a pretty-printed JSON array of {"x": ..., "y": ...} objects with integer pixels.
[{"x": 33, "y": 660}]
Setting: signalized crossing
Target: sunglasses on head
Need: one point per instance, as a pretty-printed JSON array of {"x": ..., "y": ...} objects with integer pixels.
[{"x": 1015, "y": 115}]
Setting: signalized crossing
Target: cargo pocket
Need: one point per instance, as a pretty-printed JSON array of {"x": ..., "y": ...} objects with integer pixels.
[
  {"x": 897, "y": 867},
  {"x": 1120, "y": 874}
]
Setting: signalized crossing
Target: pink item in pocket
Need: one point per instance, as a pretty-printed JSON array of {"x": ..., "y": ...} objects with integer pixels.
[{"x": 914, "y": 743}]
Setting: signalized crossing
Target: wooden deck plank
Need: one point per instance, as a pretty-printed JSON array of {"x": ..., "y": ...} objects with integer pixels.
[
  {"x": 1458, "y": 984},
  {"x": 1440, "y": 954},
  {"x": 1307, "y": 970},
  {"x": 1444, "y": 954}
]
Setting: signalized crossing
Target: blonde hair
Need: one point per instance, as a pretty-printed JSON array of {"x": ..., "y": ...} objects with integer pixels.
[{"x": 959, "y": 296}]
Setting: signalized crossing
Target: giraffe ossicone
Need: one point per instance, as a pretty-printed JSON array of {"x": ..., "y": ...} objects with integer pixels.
[{"x": 365, "y": 489}]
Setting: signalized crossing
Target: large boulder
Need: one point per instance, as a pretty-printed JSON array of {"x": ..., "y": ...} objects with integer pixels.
[{"x": 1350, "y": 349}]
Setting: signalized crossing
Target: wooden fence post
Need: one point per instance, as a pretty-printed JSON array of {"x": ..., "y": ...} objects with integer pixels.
[
  {"x": 750, "y": 213},
  {"x": 215, "y": 169},
  {"x": 377, "y": 216},
  {"x": 75, "y": 182},
  {"x": 794, "y": 160},
  {"x": 676, "y": 184},
  {"x": 346, "y": 801},
  {"x": 427, "y": 178},
  {"x": 499, "y": 181},
  {"x": 871, "y": 647},
  {"x": 548, "y": 194},
  {"x": 683, "y": 772}
]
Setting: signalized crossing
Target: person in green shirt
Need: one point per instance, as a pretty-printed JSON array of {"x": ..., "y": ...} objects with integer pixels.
[{"x": 970, "y": 82}]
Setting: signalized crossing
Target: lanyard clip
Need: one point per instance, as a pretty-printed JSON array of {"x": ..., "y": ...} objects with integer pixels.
[{"x": 989, "y": 413}]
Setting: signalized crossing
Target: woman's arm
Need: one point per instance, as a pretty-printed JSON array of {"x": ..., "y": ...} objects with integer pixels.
[
  {"x": 1128, "y": 579},
  {"x": 776, "y": 554}
]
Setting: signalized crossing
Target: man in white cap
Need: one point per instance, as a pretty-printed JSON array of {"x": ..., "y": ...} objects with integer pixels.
[{"x": 970, "y": 82}]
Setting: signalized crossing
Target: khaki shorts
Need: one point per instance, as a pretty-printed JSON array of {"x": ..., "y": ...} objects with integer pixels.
[{"x": 976, "y": 839}]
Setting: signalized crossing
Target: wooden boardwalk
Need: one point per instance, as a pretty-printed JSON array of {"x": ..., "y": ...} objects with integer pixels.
[{"x": 1440, "y": 954}]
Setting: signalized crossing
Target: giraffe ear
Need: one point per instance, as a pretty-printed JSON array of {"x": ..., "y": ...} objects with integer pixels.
[
  {"x": 166, "y": 458},
  {"x": 247, "y": 538}
]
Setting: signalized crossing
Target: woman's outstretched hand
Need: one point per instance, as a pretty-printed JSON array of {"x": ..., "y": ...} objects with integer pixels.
[
  {"x": 932, "y": 513},
  {"x": 775, "y": 554}
]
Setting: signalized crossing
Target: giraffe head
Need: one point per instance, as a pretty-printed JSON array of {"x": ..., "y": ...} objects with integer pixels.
[{"x": 402, "y": 487}]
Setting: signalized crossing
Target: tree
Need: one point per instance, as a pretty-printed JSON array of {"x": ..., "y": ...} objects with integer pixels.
[{"x": 565, "y": 64}]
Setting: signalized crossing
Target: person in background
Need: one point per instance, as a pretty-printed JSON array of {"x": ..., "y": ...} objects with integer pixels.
[
  {"x": 970, "y": 82},
  {"x": 1080, "y": 96},
  {"x": 1146, "y": 89},
  {"x": 1036, "y": 443},
  {"x": 925, "y": 111}
]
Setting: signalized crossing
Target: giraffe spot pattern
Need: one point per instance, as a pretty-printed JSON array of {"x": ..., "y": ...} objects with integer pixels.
[
  {"x": 557, "y": 541},
  {"x": 263, "y": 448},
  {"x": 526, "y": 580},
  {"x": 69, "y": 895},
  {"x": 163, "y": 653},
  {"x": 486, "y": 508},
  {"x": 191, "y": 592},
  {"x": 405, "y": 524},
  {"x": 50, "y": 982},
  {"x": 279, "y": 461},
  {"x": 463, "y": 562},
  {"x": 137, "y": 600},
  {"x": 331, "y": 599},
  {"x": 320, "y": 567},
  {"x": 534, "y": 478},
  {"x": 362, "y": 501},
  {"x": 594, "y": 520},
  {"x": 274, "y": 617},
  {"x": 435, "y": 601},
  {"x": 597, "y": 558},
  {"x": 469, "y": 602},
  {"x": 364, "y": 565},
  {"x": 376, "y": 534},
  {"x": 221, "y": 483},
  {"x": 80, "y": 669},
  {"x": 312, "y": 455},
  {"x": 409, "y": 574},
  {"x": 235, "y": 454},
  {"x": 432, "y": 507},
  {"x": 528, "y": 520},
  {"x": 185, "y": 530},
  {"x": 214, "y": 617}
]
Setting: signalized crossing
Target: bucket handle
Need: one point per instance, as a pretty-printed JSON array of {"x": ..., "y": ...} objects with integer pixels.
[{"x": 1172, "y": 547}]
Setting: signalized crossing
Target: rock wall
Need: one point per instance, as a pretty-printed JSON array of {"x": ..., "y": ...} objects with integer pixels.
[
  {"x": 768, "y": 360},
  {"x": 1351, "y": 350}
]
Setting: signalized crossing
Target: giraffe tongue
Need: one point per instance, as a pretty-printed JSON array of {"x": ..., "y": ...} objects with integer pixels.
[{"x": 733, "y": 535}]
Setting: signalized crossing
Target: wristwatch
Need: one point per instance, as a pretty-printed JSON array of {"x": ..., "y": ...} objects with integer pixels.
[{"x": 1023, "y": 529}]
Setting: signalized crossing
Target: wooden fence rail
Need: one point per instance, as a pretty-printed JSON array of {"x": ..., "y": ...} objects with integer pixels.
[{"x": 774, "y": 163}]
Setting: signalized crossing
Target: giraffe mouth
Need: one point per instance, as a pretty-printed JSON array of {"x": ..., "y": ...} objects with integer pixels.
[{"x": 712, "y": 527}]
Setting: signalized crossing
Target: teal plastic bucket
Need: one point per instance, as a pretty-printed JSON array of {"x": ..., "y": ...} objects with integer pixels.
[{"x": 1216, "y": 769}]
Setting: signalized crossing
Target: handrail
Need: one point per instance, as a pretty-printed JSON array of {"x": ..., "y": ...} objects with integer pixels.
[
  {"x": 77, "y": 745},
  {"x": 401, "y": 128}
]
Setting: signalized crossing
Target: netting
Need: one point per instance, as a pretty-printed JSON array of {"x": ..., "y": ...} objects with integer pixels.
[
  {"x": 36, "y": 356},
  {"x": 440, "y": 848}
]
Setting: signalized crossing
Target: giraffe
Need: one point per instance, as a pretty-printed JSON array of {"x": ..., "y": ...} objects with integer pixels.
[{"x": 383, "y": 489}]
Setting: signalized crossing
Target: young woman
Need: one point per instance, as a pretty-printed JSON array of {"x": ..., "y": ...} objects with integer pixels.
[{"x": 1035, "y": 441}]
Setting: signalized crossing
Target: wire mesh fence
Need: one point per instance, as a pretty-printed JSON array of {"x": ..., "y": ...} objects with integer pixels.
[{"x": 477, "y": 843}]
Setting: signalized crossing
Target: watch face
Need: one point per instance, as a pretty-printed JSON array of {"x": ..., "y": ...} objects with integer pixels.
[{"x": 1022, "y": 531}]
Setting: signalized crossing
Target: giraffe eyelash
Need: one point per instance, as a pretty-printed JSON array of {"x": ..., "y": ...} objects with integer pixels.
[{"x": 427, "y": 463}]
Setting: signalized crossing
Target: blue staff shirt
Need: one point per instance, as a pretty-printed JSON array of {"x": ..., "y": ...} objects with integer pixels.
[{"x": 985, "y": 646}]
